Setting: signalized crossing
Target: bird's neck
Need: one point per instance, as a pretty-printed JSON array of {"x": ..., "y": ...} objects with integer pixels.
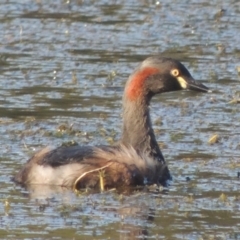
[{"x": 137, "y": 128}]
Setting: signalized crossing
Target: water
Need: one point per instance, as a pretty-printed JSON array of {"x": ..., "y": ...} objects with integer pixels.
[{"x": 63, "y": 66}]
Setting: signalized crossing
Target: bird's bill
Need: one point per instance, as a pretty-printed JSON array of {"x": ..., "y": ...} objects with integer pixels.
[{"x": 191, "y": 84}]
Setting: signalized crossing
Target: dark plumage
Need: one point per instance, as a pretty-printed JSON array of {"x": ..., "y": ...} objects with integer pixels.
[{"x": 137, "y": 158}]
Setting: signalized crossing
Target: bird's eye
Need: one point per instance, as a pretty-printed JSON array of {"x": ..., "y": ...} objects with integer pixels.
[{"x": 175, "y": 72}]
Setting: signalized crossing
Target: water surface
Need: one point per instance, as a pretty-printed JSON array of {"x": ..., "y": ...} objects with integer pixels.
[{"x": 63, "y": 67}]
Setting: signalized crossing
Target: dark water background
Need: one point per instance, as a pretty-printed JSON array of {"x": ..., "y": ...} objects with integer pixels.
[{"x": 63, "y": 66}]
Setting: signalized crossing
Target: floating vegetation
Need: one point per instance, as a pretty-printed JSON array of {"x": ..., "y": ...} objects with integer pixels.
[
  {"x": 109, "y": 135},
  {"x": 74, "y": 77},
  {"x": 65, "y": 129},
  {"x": 70, "y": 143},
  {"x": 214, "y": 139},
  {"x": 176, "y": 137},
  {"x": 221, "y": 48},
  {"x": 110, "y": 140},
  {"x": 190, "y": 198},
  {"x": 238, "y": 70},
  {"x": 223, "y": 197},
  {"x": 102, "y": 180},
  {"x": 29, "y": 119},
  {"x": 233, "y": 164},
  {"x": 111, "y": 76},
  {"x": 77, "y": 181},
  {"x": 6, "y": 206},
  {"x": 235, "y": 98},
  {"x": 219, "y": 13},
  {"x": 158, "y": 121},
  {"x": 234, "y": 101}
]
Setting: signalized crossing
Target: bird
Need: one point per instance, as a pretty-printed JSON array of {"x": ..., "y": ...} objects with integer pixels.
[{"x": 136, "y": 159}]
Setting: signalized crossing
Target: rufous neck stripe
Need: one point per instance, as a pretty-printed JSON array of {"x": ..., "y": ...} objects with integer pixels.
[{"x": 136, "y": 86}]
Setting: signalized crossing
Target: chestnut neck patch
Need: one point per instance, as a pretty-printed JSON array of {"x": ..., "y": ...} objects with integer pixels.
[{"x": 136, "y": 86}]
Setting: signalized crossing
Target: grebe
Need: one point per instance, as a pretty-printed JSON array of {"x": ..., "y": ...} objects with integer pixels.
[{"x": 136, "y": 159}]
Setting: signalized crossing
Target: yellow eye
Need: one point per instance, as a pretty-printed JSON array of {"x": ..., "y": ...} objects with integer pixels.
[{"x": 175, "y": 72}]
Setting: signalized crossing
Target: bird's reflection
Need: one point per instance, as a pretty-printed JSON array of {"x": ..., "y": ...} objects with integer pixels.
[{"x": 134, "y": 211}]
